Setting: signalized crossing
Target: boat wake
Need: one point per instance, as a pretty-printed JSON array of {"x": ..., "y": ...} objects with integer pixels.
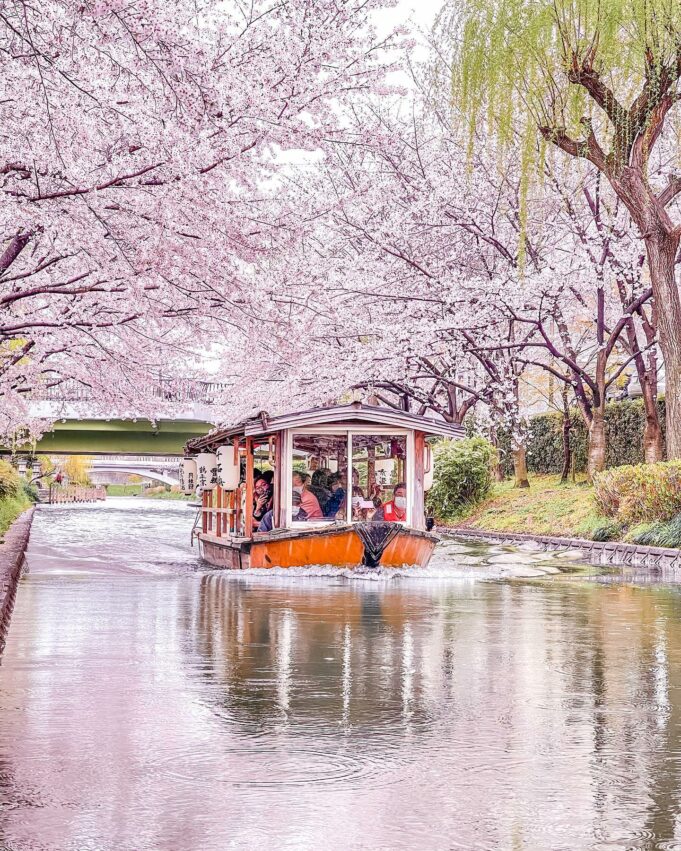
[{"x": 472, "y": 570}]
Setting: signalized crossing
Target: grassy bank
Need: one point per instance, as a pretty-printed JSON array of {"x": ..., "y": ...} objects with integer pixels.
[
  {"x": 124, "y": 490},
  {"x": 147, "y": 493},
  {"x": 174, "y": 495},
  {"x": 11, "y": 508},
  {"x": 546, "y": 508}
]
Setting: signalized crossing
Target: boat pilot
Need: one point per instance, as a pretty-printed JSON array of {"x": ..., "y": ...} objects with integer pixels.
[{"x": 394, "y": 511}]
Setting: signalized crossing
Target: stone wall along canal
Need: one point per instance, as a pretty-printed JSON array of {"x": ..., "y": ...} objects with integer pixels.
[{"x": 146, "y": 703}]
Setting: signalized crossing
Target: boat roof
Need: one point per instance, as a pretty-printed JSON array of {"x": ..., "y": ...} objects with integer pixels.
[{"x": 355, "y": 413}]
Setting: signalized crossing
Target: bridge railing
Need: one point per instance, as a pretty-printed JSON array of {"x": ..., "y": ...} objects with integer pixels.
[
  {"x": 205, "y": 392},
  {"x": 147, "y": 460},
  {"x": 75, "y": 493}
]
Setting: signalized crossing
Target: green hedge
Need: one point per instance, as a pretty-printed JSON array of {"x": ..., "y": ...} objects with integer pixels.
[
  {"x": 462, "y": 476},
  {"x": 624, "y": 422}
]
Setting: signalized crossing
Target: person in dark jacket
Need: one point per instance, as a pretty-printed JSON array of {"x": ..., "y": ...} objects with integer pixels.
[
  {"x": 320, "y": 488},
  {"x": 337, "y": 500}
]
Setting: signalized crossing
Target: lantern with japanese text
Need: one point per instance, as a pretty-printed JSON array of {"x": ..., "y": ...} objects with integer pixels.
[
  {"x": 207, "y": 470},
  {"x": 384, "y": 469},
  {"x": 228, "y": 468},
  {"x": 188, "y": 470}
]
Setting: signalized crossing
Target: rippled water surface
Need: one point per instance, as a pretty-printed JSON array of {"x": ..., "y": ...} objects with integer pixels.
[{"x": 500, "y": 700}]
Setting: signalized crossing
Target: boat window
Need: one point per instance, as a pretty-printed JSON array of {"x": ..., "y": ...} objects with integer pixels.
[
  {"x": 264, "y": 463},
  {"x": 319, "y": 477},
  {"x": 378, "y": 464}
]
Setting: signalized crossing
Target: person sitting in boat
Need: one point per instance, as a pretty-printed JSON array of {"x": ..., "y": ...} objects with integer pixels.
[
  {"x": 267, "y": 522},
  {"x": 297, "y": 511},
  {"x": 308, "y": 501},
  {"x": 261, "y": 499},
  {"x": 320, "y": 487},
  {"x": 394, "y": 511},
  {"x": 336, "y": 501}
]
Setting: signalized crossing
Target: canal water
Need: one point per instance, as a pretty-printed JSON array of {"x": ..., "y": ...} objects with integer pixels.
[{"x": 500, "y": 700}]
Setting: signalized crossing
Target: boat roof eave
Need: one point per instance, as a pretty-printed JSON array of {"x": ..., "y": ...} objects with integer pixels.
[
  {"x": 353, "y": 414},
  {"x": 369, "y": 414}
]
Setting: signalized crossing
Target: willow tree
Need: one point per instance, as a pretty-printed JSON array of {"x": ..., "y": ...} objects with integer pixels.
[{"x": 599, "y": 80}]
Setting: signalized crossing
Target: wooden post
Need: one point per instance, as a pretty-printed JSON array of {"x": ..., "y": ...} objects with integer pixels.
[
  {"x": 418, "y": 514},
  {"x": 249, "y": 487},
  {"x": 218, "y": 515},
  {"x": 371, "y": 469},
  {"x": 276, "y": 504},
  {"x": 204, "y": 506}
]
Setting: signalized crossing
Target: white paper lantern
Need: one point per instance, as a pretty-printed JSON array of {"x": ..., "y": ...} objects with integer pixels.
[
  {"x": 428, "y": 468},
  {"x": 188, "y": 472},
  {"x": 207, "y": 472},
  {"x": 228, "y": 470},
  {"x": 384, "y": 469}
]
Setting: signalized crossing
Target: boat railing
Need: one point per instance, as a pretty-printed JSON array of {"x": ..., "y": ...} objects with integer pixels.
[{"x": 221, "y": 513}]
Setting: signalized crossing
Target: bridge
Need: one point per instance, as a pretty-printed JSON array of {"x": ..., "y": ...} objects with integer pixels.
[
  {"x": 163, "y": 469},
  {"x": 118, "y": 437},
  {"x": 79, "y": 430}
]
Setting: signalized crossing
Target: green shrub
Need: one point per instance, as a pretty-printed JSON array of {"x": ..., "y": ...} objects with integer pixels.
[
  {"x": 10, "y": 481},
  {"x": 29, "y": 491},
  {"x": 462, "y": 476},
  {"x": 636, "y": 533},
  {"x": 611, "y": 531},
  {"x": 640, "y": 492},
  {"x": 660, "y": 534}
]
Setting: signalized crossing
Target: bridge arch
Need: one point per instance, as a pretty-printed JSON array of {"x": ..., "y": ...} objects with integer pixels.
[{"x": 164, "y": 478}]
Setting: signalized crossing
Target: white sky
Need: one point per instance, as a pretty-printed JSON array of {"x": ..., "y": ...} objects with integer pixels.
[{"x": 421, "y": 12}]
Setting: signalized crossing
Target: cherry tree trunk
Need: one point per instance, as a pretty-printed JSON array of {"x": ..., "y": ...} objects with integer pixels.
[
  {"x": 653, "y": 444},
  {"x": 661, "y": 249},
  {"x": 520, "y": 467},
  {"x": 567, "y": 454},
  {"x": 497, "y": 466},
  {"x": 597, "y": 442}
]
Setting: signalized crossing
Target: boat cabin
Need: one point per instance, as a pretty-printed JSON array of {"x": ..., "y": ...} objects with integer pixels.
[{"x": 312, "y": 471}]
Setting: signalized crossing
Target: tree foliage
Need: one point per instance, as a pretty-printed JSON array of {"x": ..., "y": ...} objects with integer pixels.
[
  {"x": 77, "y": 469},
  {"x": 462, "y": 476},
  {"x": 138, "y": 142},
  {"x": 639, "y": 493},
  {"x": 534, "y": 63}
]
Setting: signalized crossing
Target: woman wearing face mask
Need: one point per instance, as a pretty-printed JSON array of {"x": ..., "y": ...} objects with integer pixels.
[
  {"x": 394, "y": 511},
  {"x": 308, "y": 501},
  {"x": 297, "y": 511}
]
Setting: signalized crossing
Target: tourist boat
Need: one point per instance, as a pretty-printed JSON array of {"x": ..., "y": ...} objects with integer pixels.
[{"x": 334, "y": 474}]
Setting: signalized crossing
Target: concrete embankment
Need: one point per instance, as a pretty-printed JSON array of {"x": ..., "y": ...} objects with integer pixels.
[
  {"x": 12, "y": 551},
  {"x": 615, "y": 553}
]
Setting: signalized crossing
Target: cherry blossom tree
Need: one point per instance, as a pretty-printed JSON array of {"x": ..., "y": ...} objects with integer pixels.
[
  {"x": 427, "y": 287},
  {"x": 407, "y": 255},
  {"x": 137, "y": 145},
  {"x": 600, "y": 83}
]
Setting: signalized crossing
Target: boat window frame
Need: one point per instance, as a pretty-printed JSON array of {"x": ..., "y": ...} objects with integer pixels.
[{"x": 340, "y": 430}]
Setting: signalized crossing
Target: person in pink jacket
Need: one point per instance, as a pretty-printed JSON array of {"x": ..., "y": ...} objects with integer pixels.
[{"x": 308, "y": 501}]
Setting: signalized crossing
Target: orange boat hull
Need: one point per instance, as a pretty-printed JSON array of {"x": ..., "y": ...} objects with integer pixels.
[{"x": 336, "y": 547}]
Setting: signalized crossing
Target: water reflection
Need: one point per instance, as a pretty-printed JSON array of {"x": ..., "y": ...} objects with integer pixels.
[
  {"x": 145, "y": 706},
  {"x": 315, "y": 657}
]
